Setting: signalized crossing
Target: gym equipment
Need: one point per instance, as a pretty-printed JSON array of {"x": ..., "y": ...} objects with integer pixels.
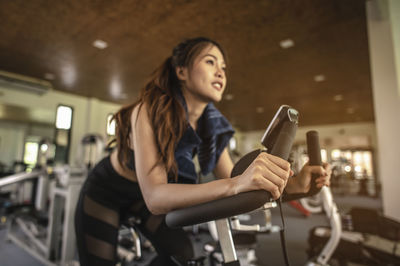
[
  {"x": 129, "y": 242},
  {"x": 312, "y": 204},
  {"x": 368, "y": 238},
  {"x": 46, "y": 229},
  {"x": 278, "y": 140},
  {"x": 90, "y": 151},
  {"x": 46, "y": 232},
  {"x": 244, "y": 237},
  {"x": 329, "y": 205}
]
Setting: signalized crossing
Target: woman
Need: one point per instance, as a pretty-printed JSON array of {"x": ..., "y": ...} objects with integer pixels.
[{"x": 152, "y": 173}]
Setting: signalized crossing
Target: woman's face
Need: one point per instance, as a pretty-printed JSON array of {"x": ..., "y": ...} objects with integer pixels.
[{"x": 206, "y": 79}]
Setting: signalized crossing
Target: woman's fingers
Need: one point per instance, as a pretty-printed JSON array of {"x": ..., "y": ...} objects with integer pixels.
[
  {"x": 317, "y": 169},
  {"x": 276, "y": 165},
  {"x": 268, "y": 185},
  {"x": 278, "y": 161},
  {"x": 274, "y": 172},
  {"x": 261, "y": 176},
  {"x": 267, "y": 172},
  {"x": 291, "y": 173},
  {"x": 327, "y": 168},
  {"x": 275, "y": 179},
  {"x": 323, "y": 181}
]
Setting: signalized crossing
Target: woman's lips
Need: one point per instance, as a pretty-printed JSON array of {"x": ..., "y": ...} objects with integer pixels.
[{"x": 217, "y": 85}]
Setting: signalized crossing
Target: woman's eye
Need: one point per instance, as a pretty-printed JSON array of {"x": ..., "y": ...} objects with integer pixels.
[{"x": 211, "y": 62}]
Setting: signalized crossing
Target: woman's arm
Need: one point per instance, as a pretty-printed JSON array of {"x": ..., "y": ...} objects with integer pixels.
[
  {"x": 266, "y": 172},
  {"x": 159, "y": 195},
  {"x": 224, "y": 166}
]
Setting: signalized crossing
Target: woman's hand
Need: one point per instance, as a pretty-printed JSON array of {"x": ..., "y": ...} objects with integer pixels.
[
  {"x": 266, "y": 172},
  {"x": 301, "y": 183}
]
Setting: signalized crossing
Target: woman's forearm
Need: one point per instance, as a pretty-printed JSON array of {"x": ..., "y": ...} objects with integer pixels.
[{"x": 167, "y": 197}]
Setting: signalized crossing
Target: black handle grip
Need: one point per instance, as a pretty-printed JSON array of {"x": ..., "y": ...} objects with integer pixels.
[
  {"x": 284, "y": 142},
  {"x": 314, "y": 154},
  {"x": 281, "y": 148}
]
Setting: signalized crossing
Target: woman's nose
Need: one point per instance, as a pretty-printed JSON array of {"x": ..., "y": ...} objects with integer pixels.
[{"x": 219, "y": 73}]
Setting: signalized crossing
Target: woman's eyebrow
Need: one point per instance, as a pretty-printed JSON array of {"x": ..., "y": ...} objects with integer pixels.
[{"x": 213, "y": 57}]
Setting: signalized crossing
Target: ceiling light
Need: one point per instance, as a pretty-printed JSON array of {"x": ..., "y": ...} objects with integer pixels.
[
  {"x": 100, "y": 44},
  {"x": 350, "y": 110},
  {"x": 229, "y": 97},
  {"x": 116, "y": 89},
  {"x": 287, "y": 43},
  {"x": 338, "y": 97},
  {"x": 319, "y": 78},
  {"x": 49, "y": 76},
  {"x": 260, "y": 110},
  {"x": 123, "y": 96},
  {"x": 68, "y": 74},
  {"x": 120, "y": 96}
]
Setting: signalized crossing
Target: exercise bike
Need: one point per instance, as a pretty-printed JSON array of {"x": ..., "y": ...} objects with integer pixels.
[
  {"x": 367, "y": 238},
  {"x": 278, "y": 140}
]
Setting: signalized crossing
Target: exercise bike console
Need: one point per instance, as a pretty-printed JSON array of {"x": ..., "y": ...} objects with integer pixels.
[{"x": 285, "y": 113}]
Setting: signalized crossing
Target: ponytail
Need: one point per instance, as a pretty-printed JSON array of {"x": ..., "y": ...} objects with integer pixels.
[{"x": 166, "y": 113}]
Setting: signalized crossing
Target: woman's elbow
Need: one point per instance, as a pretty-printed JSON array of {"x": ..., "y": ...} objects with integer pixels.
[
  {"x": 155, "y": 207},
  {"x": 155, "y": 201},
  {"x": 155, "y": 211}
]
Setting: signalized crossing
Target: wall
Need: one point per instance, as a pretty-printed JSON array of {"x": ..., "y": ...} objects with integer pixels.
[
  {"x": 251, "y": 140},
  {"x": 394, "y": 16},
  {"x": 89, "y": 114},
  {"x": 383, "y": 31},
  {"x": 13, "y": 136},
  {"x": 11, "y": 142}
]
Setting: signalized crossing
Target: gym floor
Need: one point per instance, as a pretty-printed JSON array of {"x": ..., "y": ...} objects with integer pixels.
[{"x": 268, "y": 250}]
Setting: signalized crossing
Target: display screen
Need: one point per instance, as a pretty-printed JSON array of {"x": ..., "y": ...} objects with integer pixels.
[{"x": 284, "y": 113}]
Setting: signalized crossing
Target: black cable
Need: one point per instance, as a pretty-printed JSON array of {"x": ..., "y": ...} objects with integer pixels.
[{"x": 282, "y": 234}]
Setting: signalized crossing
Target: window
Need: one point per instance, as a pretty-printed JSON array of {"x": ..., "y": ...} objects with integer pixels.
[
  {"x": 64, "y": 117},
  {"x": 31, "y": 152},
  {"x": 110, "y": 125},
  {"x": 63, "y": 133}
]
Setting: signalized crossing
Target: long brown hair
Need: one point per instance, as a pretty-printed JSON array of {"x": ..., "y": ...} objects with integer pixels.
[{"x": 166, "y": 112}]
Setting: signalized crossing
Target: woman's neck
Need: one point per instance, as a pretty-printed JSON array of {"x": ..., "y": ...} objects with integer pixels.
[{"x": 195, "y": 108}]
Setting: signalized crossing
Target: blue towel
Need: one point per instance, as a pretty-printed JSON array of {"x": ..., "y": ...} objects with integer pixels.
[{"x": 209, "y": 140}]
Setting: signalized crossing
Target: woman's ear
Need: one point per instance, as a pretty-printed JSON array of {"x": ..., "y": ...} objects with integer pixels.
[{"x": 182, "y": 73}]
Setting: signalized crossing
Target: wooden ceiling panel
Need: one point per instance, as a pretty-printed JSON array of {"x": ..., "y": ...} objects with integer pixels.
[{"x": 330, "y": 38}]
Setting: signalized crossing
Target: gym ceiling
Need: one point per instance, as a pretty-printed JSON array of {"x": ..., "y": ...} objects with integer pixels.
[{"x": 325, "y": 75}]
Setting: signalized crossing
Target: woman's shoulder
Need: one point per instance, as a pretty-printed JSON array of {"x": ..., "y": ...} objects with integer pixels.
[
  {"x": 139, "y": 113},
  {"x": 141, "y": 127}
]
